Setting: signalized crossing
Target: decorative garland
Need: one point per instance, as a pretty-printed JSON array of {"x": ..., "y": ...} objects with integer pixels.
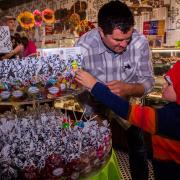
[
  {"x": 26, "y": 20},
  {"x": 48, "y": 16},
  {"x": 37, "y": 17},
  {"x": 84, "y": 26}
]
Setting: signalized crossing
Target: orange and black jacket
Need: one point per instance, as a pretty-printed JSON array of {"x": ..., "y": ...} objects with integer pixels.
[{"x": 163, "y": 123}]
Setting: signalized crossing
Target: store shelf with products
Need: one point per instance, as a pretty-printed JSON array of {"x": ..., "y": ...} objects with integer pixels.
[
  {"x": 163, "y": 59},
  {"x": 68, "y": 103},
  {"x": 58, "y": 40},
  {"x": 166, "y": 53}
]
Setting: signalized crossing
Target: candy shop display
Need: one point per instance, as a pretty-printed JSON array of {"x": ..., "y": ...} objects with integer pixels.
[
  {"x": 44, "y": 143},
  {"x": 39, "y": 78},
  {"x": 162, "y": 64},
  {"x": 68, "y": 102}
]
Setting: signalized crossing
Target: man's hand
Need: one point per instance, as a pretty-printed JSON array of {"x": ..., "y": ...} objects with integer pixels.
[
  {"x": 118, "y": 87},
  {"x": 126, "y": 90}
]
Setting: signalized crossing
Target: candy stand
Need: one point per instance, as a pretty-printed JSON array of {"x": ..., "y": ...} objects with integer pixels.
[{"x": 42, "y": 141}]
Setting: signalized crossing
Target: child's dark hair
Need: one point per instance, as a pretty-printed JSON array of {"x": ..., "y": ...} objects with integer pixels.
[
  {"x": 115, "y": 14},
  {"x": 17, "y": 37},
  {"x": 24, "y": 41}
]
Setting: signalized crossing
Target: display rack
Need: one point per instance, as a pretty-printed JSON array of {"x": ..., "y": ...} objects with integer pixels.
[
  {"x": 68, "y": 102},
  {"x": 163, "y": 58},
  {"x": 19, "y": 103}
]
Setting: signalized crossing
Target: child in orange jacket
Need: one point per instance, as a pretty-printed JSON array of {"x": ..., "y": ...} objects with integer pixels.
[{"x": 163, "y": 123}]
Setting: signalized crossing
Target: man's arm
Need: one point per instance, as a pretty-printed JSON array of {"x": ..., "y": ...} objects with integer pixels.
[
  {"x": 144, "y": 71},
  {"x": 126, "y": 89},
  {"x": 15, "y": 51}
]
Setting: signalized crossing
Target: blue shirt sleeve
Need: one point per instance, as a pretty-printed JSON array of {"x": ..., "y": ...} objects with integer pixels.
[
  {"x": 168, "y": 118},
  {"x": 103, "y": 94}
]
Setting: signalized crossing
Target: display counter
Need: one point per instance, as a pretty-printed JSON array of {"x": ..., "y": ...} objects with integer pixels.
[{"x": 162, "y": 59}]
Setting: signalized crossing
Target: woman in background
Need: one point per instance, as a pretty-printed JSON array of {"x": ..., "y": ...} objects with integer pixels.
[{"x": 29, "y": 47}]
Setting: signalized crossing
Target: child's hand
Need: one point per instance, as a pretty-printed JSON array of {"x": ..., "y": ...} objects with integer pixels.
[{"x": 85, "y": 79}]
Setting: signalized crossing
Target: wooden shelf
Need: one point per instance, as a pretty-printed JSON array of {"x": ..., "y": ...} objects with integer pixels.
[{"x": 20, "y": 103}]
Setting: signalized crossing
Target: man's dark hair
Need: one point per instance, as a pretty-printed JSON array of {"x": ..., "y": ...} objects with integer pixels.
[{"x": 115, "y": 14}]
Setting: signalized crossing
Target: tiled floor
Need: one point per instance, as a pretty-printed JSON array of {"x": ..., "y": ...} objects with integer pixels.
[{"x": 124, "y": 166}]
